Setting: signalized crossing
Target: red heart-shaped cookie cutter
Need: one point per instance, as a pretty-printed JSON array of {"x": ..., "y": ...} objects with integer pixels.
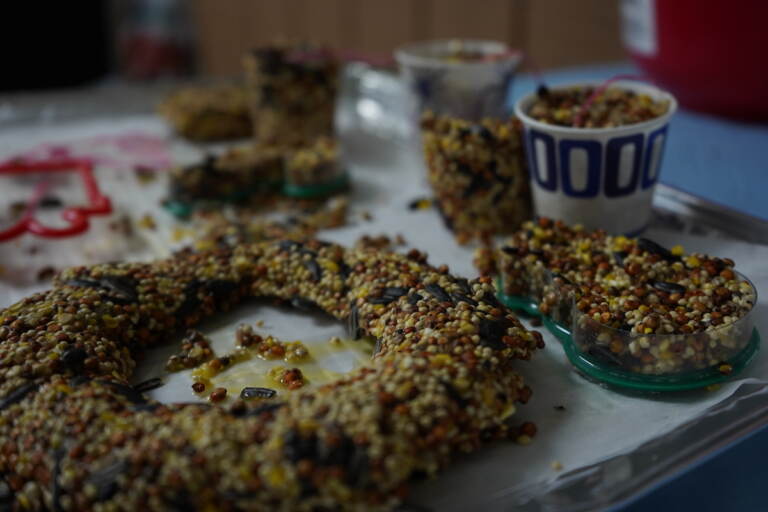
[{"x": 76, "y": 216}]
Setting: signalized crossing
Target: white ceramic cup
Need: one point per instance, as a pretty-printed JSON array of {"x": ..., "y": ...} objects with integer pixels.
[
  {"x": 468, "y": 89},
  {"x": 597, "y": 177}
]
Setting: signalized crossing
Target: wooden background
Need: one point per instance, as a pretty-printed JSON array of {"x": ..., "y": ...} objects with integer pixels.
[{"x": 553, "y": 32}]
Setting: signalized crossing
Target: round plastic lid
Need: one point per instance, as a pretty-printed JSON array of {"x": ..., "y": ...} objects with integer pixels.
[{"x": 613, "y": 376}]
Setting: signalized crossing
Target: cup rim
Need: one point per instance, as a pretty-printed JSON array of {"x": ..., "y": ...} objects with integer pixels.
[
  {"x": 523, "y": 103},
  {"x": 407, "y": 54}
]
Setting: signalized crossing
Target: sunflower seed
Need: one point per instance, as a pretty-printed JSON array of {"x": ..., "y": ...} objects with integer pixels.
[
  {"x": 148, "y": 385},
  {"x": 652, "y": 247},
  {"x": 414, "y": 298},
  {"x": 353, "y": 323},
  {"x": 18, "y": 394},
  {"x": 314, "y": 269},
  {"x": 460, "y": 297},
  {"x": 512, "y": 251},
  {"x": 618, "y": 257},
  {"x": 491, "y": 333},
  {"x": 668, "y": 287},
  {"x": 438, "y": 292},
  {"x": 255, "y": 392},
  {"x": 74, "y": 358}
]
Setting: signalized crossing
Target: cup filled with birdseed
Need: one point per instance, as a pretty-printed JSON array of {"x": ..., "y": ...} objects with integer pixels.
[
  {"x": 469, "y": 79},
  {"x": 594, "y": 151}
]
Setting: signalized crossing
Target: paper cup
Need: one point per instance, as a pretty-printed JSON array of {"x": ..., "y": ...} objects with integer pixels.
[
  {"x": 598, "y": 177},
  {"x": 466, "y": 88}
]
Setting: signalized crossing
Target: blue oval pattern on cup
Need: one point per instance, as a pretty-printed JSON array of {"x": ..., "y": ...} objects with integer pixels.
[{"x": 603, "y": 163}]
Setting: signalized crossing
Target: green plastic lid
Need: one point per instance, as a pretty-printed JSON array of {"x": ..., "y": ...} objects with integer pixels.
[
  {"x": 313, "y": 191},
  {"x": 183, "y": 209}
]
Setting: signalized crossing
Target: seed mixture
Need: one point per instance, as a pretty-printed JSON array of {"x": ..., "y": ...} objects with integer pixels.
[
  {"x": 613, "y": 107},
  {"x": 195, "y": 350},
  {"x": 256, "y": 173},
  {"x": 76, "y": 436},
  {"x": 631, "y": 302},
  {"x": 291, "y": 378},
  {"x": 249, "y": 344},
  {"x": 379, "y": 242},
  {"x": 305, "y": 218},
  {"x": 236, "y": 175},
  {"x": 314, "y": 164},
  {"x": 208, "y": 113},
  {"x": 478, "y": 174},
  {"x": 292, "y": 91}
]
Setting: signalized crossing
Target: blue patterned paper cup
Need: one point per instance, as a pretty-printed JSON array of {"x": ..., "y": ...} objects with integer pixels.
[
  {"x": 470, "y": 89},
  {"x": 597, "y": 177}
]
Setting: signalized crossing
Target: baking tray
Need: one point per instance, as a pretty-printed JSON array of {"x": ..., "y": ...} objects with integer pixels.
[{"x": 605, "y": 484}]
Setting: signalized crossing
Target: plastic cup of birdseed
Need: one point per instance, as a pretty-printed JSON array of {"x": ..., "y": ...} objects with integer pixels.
[
  {"x": 594, "y": 153},
  {"x": 468, "y": 79}
]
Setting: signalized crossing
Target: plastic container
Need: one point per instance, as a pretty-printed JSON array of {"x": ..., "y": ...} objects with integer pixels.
[
  {"x": 597, "y": 177},
  {"x": 464, "y": 78},
  {"x": 649, "y": 362}
]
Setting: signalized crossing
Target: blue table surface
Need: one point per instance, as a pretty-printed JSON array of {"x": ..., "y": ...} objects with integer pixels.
[{"x": 724, "y": 161}]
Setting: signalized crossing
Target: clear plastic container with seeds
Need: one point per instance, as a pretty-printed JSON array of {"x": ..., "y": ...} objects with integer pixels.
[
  {"x": 648, "y": 358},
  {"x": 650, "y": 354},
  {"x": 629, "y": 311}
]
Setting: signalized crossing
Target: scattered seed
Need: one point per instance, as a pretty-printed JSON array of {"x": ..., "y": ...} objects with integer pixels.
[
  {"x": 218, "y": 394},
  {"x": 255, "y": 392},
  {"x": 420, "y": 203}
]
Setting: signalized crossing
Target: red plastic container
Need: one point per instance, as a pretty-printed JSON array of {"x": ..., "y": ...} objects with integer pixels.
[{"x": 710, "y": 54}]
